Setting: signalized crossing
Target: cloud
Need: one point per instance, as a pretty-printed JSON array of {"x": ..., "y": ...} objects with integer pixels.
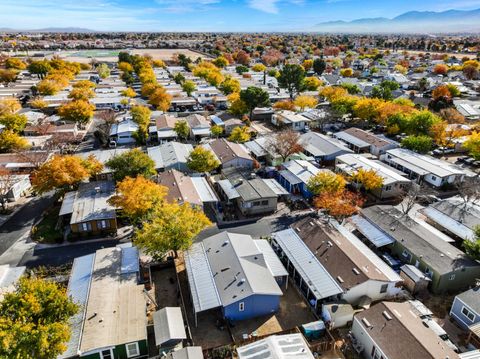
[
  {"x": 271, "y": 6},
  {"x": 179, "y": 6}
]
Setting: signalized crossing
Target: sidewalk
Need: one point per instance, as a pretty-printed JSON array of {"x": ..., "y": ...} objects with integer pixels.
[{"x": 17, "y": 206}]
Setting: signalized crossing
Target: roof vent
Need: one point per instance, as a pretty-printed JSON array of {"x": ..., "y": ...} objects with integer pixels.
[
  {"x": 366, "y": 322},
  {"x": 340, "y": 279},
  {"x": 355, "y": 270},
  {"x": 387, "y": 315},
  {"x": 225, "y": 269},
  {"x": 225, "y": 243}
]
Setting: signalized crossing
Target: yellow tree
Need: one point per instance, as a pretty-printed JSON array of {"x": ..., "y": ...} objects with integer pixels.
[
  {"x": 304, "y": 101},
  {"x": 141, "y": 115},
  {"x": 368, "y": 108},
  {"x": 129, "y": 92},
  {"x": 369, "y": 179},
  {"x": 160, "y": 99},
  {"x": 80, "y": 111},
  {"x": 259, "y": 68},
  {"x": 307, "y": 64},
  {"x": 326, "y": 182},
  {"x": 340, "y": 205},
  {"x": 38, "y": 103},
  {"x": 332, "y": 93},
  {"x": 15, "y": 122},
  {"x": 202, "y": 160},
  {"x": 63, "y": 172},
  {"x": 48, "y": 87},
  {"x": 34, "y": 320},
  {"x": 81, "y": 93},
  {"x": 83, "y": 84},
  {"x": 312, "y": 83},
  {"x": 9, "y": 105},
  {"x": 348, "y": 72},
  {"x": 284, "y": 105},
  {"x": 240, "y": 134},
  {"x": 138, "y": 197},
  {"x": 472, "y": 145},
  {"x": 10, "y": 141},
  {"x": 172, "y": 228}
]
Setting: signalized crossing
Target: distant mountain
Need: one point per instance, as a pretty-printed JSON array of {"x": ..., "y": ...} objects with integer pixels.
[
  {"x": 450, "y": 21},
  {"x": 51, "y": 29}
]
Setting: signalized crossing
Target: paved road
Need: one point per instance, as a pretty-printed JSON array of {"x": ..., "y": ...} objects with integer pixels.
[{"x": 21, "y": 222}]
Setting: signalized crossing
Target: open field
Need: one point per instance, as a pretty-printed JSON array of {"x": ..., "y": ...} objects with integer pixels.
[
  {"x": 450, "y": 54},
  {"x": 85, "y": 56}
]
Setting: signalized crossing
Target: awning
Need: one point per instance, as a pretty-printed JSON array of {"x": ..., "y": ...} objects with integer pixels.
[
  {"x": 372, "y": 233},
  {"x": 67, "y": 204},
  {"x": 201, "y": 131},
  {"x": 275, "y": 187},
  {"x": 448, "y": 223},
  {"x": 204, "y": 190},
  {"x": 228, "y": 188}
]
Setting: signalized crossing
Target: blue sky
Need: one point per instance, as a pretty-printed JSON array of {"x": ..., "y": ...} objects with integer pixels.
[{"x": 205, "y": 15}]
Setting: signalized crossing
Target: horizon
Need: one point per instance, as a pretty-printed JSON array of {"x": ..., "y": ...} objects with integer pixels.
[{"x": 227, "y": 16}]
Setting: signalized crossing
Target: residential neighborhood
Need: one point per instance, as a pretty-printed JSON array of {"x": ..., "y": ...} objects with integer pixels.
[{"x": 239, "y": 195}]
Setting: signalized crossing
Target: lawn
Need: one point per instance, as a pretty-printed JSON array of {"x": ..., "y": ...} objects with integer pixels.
[{"x": 45, "y": 231}]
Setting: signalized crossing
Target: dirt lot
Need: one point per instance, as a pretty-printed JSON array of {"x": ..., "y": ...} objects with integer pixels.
[
  {"x": 293, "y": 312},
  {"x": 165, "y": 287}
]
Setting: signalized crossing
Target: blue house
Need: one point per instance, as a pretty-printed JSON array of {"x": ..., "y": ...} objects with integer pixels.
[
  {"x": 295, "y": 175},
  {"x": 466, "y": 308},
  {"x": 323, "y": 148},
  {"x": 236, "y": 274}
]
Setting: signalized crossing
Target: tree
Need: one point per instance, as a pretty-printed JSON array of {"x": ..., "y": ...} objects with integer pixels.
[
  {"x": 129, "y": 92},
  {"x": 48, "y": 87},
  {"x": 285, "y": 144},
  {"x": 182, "y": 129},
  {"x": 64, "y": 172},
  {"x": 141, "y": 116},
  {"x": 420, "y": 144},
  {"x": 138, "y": 197},
  {"x": 10, "y": 141},
  {"x": 254, "y": 97},
  {"x": 189, "y": 87},
  {"x": 15, "y": 122},
  {"x": 319, "y": 66},
  {"x": 38, "y": 103},
  {"x": 172, "y": 228},
  {"x": 103, "y": 71},
  {"x": 34, "y": 320},
  {"x": 368, "y": 108},
  {"x": 312, "y": 83},
  {"x": 242, "y": 57},
  {"x": 40, "y": 68},
  {"x": 470, "y": 72},
  {"x": 369, "y": 179},
  {"x": 241, "y": 69},
  {"x": 216, "y": 130},
  {"x": 202, "y": 160},
  {"x": 230, "y": 85},
  {"x": 440, "y": 69},
  {"x": 81, "y": 93},
  {"x": 132, "y": 163},
  {"x": 79, "y": 111},
  {"x": 307, "y": 64},
  {"x": 259, "y": 68},
  {"x": 160, "y": 99},
  {"x": 220, "y": 62},
  {"x": 8, "y": 75},
  {"x": 472, "y": 145},
  {"x": 304, "y": 101},
  {"x": 326, "y": 182},
  {"x": 472, "y": 245},
  {"x": 385, "y": 89},
  {"x": 421, "y": 122},
  {"x": 340, "y": 205},
  {"x": 284, "y": 105},
  {"x": 291, "y": 78},
  {"x": 9, "y": 105},
  {"x": 441, "y": 92},
  {"x": 84, "y": 84},
  {"x": 347, "y": 72},
  {"x": 15, "y": 63},
  {"x": 451, "y": 115},
  {"x": 352, "y": 89},
  {"x": 240, "y": 134}
]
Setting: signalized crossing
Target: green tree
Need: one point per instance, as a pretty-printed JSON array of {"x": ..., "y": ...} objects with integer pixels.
[
  {"x": 132, "y": 163},
  {"x": 421, "y": 122},
  {"x": 141, "y": 116},
  {"x": 241, "y": 69},
  {"x": 254, "y": 97},
  {"x": 189, "y": 87},
  {"x": 385, "y": 89},
  {"x": 291, "y": 78},
  {"x": 319, "y": 66},
  {"x": 420, "y": 144},
  {"x": 216, "y": 130},
  {"x": 173, "y": 228},
  {"x": 352, "y": 89},
  {"x": 103, "y": 71},
  {"x": 472, "y": 246},
  {"x": 182, "y": 129},
  {"x": 202, "y": 160},
  {"x": 34, "y": 320}
]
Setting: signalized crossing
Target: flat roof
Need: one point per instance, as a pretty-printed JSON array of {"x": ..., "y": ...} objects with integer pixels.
[
  {"x": 273, "y": 262},
  {"x": 321, "y": 283},
  {"x": 205, "y": 192},
  {"x": 277, "y": 347},
  {"x": 168, "y": 325},
  {"x": 91, "y": 202}
]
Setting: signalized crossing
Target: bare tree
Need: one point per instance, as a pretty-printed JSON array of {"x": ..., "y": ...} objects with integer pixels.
[
  {"x": 285, "y": 143},
  {"x": 7, "y": 180},
  {"x": 469, "y": 190},
  {"x": 412, "y": 195}
]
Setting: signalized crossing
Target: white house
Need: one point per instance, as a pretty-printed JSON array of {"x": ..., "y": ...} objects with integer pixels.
[
  {"x": 123, "y": 132},
  {"x": 290, "y": 119}
]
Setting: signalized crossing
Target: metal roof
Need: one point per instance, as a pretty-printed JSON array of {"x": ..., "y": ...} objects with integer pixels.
[
  {"x": 168, "y": 325},
  {"x": 67, "y": 203},
  {"x": 91, "y": 202},
  {"x": 351, "y": 139},
  {"x": 205, "y": 192},
  {"x": 273, "y": 262},
  {"x": 187, "y": 353},
  {"x": 372, "y": 233},
  {"x": 229, "y": 189},
  {"x": 277, "y": 347},
  {"x": 200, "y": 279},
  {"x": 201, "y": 131},
  {"x": 472, "y": 354},
  {"x": 130, "y": 260},
  {"x": 301, "y": 169},
  {"x": 448, "y": 223},
  {"x": 275, "y": 186},
  {"x": 321, "y": 283},
  {"x": 78, "y": 289}
]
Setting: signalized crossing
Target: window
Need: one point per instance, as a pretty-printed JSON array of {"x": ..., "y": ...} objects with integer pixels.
[
  {"x": 103, "y": 224},
  {"x": 265, "y": 203},
  {"x": 434, "y": 178},
  {"x": 452, "y": 277},
  {"x": 132, "y": 350},
  {"x": 406, "y": 254},
  {"x": 256, "y": 204},
  {"x": 468, "y": 314},
  {"x": 106, "y": 354},
  {"x": 241, "y": 306},
  {"x": 383, "y": 288},
  {"x": 388, "y": 188},
  {"x": 85, "y": 227}
]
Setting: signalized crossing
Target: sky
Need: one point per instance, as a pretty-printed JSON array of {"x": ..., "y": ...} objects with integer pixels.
[{"x": 206, "y": 15}]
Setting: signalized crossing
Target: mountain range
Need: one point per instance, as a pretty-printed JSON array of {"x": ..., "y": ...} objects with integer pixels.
[{"x": 412, "y": 22}]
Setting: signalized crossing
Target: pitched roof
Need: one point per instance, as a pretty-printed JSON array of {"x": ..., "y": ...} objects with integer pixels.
[
  {"x": 471, "y": 298},
  {"x": 368, "y": 137},
  {"x": 412, "y": 338},
  {"x": 91, "y": 202},
  {"x": 321, "y": 145},
  {"x": 165, "y": 122},
  {"x": 227, "y": 151},
  {"x": 180, "y": 187}
]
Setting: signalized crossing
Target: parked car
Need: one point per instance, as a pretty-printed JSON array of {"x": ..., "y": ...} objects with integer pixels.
[
  {"x": 461, "y": 159},
  {"x": 443, "y": 151}
]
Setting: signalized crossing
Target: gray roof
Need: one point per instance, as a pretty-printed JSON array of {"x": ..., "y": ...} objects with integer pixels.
[
  {"x": 187, "y": 353},
  {"x": 471, "y": 298},
  {"x": 170, "y": 154},
  {"x": 200, "y": 279},
  {"x": 248, "y": 189},
  {"x": 67, "y": 203},
  {"x": 321, "y": 145},
  {"x": 239, "y": 268},
  {"x": 434, "y": 251},
  {"x": 168, "y": 325},
  {"x": 229, "y": 189},
  {"x": 91, "y": 202},
  {"x": 273, "y": 262},
  {"x": 277, "y": 347},
  {"x": 372, "y": 233},
  {"x": 351, "y": 139},
  {"x": 321, "y": 283}
]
